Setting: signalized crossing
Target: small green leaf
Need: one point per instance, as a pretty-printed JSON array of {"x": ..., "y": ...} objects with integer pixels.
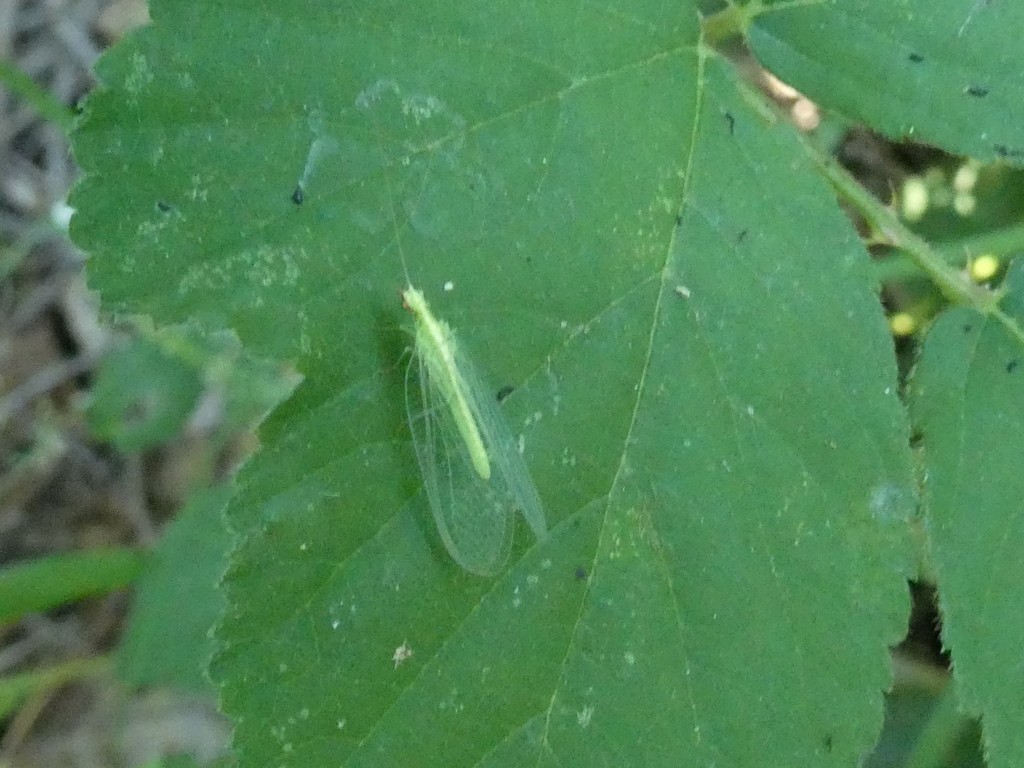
[
  {"x": 42, "y": 100},
  {"x": 56, "y": 580},
  {"x": 924, "y": 728},
  {"x": 167, "y": 641},
  {"x": 14, "y": 689},
  {"x": 146, "y": 390},
  {"x": 143, "y": 395}
]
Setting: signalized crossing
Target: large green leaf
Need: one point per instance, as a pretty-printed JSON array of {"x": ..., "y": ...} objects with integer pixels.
[
  {"x": 968, "y": 390},
  {"x": 704, "y": 384}
]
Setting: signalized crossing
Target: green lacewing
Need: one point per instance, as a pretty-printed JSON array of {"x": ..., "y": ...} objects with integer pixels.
[{"x": 474, "y": 476}]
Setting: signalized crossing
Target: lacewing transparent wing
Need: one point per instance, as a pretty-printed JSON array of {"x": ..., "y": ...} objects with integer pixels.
[{"x": 474, "y": 477}]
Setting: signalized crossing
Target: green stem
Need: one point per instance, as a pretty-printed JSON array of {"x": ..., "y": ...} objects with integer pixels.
[
  {"x": 953, "y": 285},
  {"x": 56, "y": 580},
  {"x": 1001, "y": 243},
  {"x": 16, "y": 688},
  {"x": 734, "y": 20},
  {"x": 43, "y": 101},
  {"x": 729, "y": 22}
]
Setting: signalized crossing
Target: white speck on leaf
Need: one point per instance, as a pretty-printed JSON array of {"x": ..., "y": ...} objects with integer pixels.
[
  {"x": 198, "y": 193},
  {"x": 140, "y": 76},
  {"x": 890, "y": 502},
  {"x": 421, "y": 107},
  {"x": 373, "y": 93},
  {"x": 401, "y": 653},
  {"x": 262, "y": 268},
  {"x": 584, "y": 715},
  {"x": 320, "y": 148}
]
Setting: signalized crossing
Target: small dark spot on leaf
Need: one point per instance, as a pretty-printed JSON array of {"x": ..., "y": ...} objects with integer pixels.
[
  {"x": 731, "y": 121},
  {"x": 827, "y": 741},
  {"x": 1012, "y": 366},
  {"x": 298, "y": 195},
  {"x": 162, "y": 206},
  {"x": 504, "y": 392},
  {"x": 742, "y": 235},
  {"x": 1004, "y": 151},
  {"x": 581, "y": 573},
  {"x": 978, "y": 91},
  {"x": 968, "y": 328},
  {"x": 917, "y": 58},
  {"x": 679, "y": 220}
]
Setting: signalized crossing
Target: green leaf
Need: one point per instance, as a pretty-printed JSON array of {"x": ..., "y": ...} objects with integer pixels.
[
  {"x": 924, "y": 729},
  {"x": 703, "y": 381},
  {"x": 147, "y": 389},
  {"x": 142, "y": 396},
  {"x": 49, "y": 582},
  {"x": 947, "y": 73},
  {"x": 46, "y": 105},
  {"x": 14, "y": 689},
  {"x": 967, "y": 394},
  {"x": 177, "y": 602}
]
